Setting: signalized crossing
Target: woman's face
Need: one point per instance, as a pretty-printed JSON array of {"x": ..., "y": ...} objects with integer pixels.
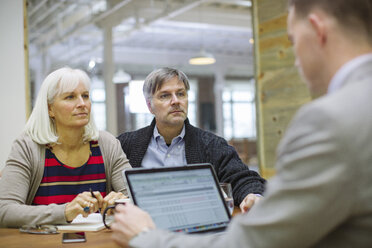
[{"x": 71, "y": 109}]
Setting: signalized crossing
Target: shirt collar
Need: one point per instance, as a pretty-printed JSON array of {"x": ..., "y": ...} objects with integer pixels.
[
  {"x": 156, "y": 133},
  {"x": 338, "y": 79}
]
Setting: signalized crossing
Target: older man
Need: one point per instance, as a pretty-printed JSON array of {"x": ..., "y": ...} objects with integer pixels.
[
  {"x": 170, "y": 140},
  {"x": 322, "y": 193}
]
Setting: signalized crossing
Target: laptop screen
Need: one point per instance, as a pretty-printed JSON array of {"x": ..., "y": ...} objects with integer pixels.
[{"x": 180, "y": 199}]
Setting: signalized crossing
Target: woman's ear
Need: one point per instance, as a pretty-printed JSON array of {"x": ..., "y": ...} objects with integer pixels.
[{"x": 50, "y": 112}]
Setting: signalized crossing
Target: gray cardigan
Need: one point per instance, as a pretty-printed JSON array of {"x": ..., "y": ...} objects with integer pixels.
[{"x": 24, "y": 170}]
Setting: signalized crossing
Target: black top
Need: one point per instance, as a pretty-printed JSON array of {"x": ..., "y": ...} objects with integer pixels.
[{"x": 201, "y": 147}]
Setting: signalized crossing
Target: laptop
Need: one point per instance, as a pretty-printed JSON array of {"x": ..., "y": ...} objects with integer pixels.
[{"x": 184, "y": 199}]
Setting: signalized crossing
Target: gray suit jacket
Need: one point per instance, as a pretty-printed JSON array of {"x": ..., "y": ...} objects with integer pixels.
[{"x": 321, "y": 195}]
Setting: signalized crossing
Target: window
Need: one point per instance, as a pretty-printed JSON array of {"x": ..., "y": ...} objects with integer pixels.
[
  {"x": 139, "y": 113},
  {"x": 193, "y": 94},
  {"x": 98, "y": 98},
  {"x": 239, "y": 110}
]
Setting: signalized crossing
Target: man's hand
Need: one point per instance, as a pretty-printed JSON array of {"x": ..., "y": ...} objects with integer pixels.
[
  {"x": 248, "y": 202},
  {"x": 129, "y": 222}
]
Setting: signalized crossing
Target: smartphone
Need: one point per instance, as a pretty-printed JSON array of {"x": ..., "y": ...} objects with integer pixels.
[{"x": 73, "y": 237}]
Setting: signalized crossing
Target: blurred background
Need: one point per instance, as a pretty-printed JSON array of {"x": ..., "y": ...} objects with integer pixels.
[{"x": 119, "y": 42}]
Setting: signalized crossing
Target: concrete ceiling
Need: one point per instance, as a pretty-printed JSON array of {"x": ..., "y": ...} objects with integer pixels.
[{"x": 146, "y": 34}]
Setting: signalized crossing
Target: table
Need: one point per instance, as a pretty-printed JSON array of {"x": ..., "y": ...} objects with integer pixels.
[{"x": 12, "y": 238}]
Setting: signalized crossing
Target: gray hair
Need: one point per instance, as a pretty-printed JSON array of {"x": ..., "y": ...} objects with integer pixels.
[
  {"x": 40, "y": 127},
  {"x": 156, "y": 78}
]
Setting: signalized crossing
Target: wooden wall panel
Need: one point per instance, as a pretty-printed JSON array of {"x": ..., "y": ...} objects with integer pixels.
[{"x": 279, "y": 90}]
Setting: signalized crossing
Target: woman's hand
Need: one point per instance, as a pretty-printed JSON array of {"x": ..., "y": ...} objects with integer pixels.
[
  {"x": 82, "y": 200},
  {"x": 110, "y": 200}
]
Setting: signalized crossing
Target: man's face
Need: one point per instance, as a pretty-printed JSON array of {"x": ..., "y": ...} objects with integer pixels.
[
  {"x": 307, "y": 51},
  {"x": 169, "y": 104}
]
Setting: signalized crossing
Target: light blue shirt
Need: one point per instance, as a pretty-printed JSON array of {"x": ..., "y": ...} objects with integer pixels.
[
  {"x": 158, "y": 154},
  {"x": 339, "y": 78}
]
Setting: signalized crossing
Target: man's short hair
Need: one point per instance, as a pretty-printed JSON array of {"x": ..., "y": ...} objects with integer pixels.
[
  {"x": 156, "y": 78},
  {"x": 353, "y": 15}
]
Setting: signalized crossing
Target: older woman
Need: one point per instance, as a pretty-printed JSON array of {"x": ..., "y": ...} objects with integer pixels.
[{"x": 61, "y": 158}]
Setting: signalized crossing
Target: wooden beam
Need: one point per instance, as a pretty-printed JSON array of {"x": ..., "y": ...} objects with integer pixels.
[{"x": 279, "y": 89}]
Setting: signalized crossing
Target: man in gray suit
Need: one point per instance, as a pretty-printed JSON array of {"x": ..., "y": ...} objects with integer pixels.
[{"x": 321, "y": 195}]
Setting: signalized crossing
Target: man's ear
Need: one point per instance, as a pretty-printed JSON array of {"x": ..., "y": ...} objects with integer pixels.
[
  {"x": 148, "y": 103},
  {"x": 319, "y": 26}
]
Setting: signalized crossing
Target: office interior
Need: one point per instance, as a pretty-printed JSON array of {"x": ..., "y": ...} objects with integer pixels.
[{"x": 119, "y": 42}]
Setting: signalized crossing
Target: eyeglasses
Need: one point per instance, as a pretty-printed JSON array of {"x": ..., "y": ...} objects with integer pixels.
[
  {"x": 39, "y": 229},
  {"x": 166, "y": 97}
]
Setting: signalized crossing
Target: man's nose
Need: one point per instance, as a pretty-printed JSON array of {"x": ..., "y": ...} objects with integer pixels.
[{"x": 174, "y": 99}]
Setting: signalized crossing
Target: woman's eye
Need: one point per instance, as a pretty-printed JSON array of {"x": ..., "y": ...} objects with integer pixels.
[
  {"x": 69, "y": 97},
  {"x": 86, "y": 96}
]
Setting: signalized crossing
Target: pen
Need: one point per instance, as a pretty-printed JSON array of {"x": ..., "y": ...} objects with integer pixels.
[{"x": 91, "y": 192}]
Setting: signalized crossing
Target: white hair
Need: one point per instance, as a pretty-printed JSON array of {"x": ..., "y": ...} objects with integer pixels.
[{"x": 40, "y": 127}]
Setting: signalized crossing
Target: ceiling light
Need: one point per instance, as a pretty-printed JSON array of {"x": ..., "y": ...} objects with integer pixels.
[
  {"x": 92, "y": 64},
  {"x": 121, "y": 77},
  {"x": 202, "y": 58},
  {"x": 244, "y": 3}
]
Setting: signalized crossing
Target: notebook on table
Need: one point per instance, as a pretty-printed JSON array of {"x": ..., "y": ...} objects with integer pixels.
[
  {"x": 93, "y": 222},
  {"x": 181, "y": 199}
]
